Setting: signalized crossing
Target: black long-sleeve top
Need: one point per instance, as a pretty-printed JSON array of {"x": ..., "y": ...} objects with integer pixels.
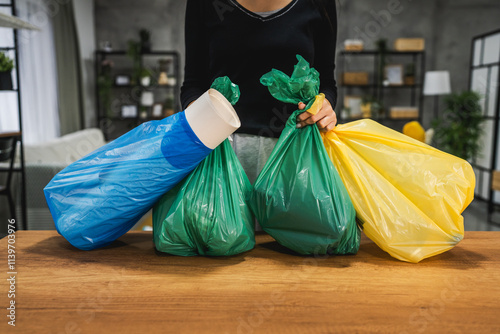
[{"x": 225, "y": 39}]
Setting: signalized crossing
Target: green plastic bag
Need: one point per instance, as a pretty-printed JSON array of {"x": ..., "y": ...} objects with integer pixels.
[
  {"x": 230, "y": 90},
  {"x": 207, "y": 213},
  {"x": 299, "y": 198}
]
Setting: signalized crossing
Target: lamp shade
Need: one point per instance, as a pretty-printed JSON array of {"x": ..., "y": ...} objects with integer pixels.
[
  {"x": 437, "y": 83},
  {"x": 10, "y": 21}
]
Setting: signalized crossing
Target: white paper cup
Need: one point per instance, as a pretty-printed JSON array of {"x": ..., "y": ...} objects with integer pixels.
[{"x": 212, "y": 118}]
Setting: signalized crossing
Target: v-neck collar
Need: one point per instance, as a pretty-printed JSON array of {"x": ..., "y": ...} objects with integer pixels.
[{"x": 279, "y": 13}]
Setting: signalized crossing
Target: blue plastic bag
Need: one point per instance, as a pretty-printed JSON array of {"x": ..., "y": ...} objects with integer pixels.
[{"x": 101, "y": 196}]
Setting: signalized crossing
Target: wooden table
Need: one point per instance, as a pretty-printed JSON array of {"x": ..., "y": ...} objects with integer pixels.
[{"x": 129, "y": 288}]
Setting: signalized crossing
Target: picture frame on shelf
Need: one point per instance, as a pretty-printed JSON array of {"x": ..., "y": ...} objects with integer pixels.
[
  {"x": 122, "y": 80},
  {"x": 353, "y": 104},
  {"x": 128, "y": 111},
  {"x": 394, "y": 74},
  {"x": 157, "y": 110}
]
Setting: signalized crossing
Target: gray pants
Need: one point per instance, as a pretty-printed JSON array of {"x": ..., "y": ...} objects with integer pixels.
[{"x": 253, "y": 152}]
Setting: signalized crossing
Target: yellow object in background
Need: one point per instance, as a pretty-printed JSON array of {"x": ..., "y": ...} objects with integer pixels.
[
  {"x": 366, "y": 110},
  {"x": 408, "y": 196},
  {"x": 415, "y": 131},
  {"x": 146, "y": 222}
]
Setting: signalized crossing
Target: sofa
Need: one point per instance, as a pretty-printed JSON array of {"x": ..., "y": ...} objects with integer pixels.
[{"x": 43, "y": 161}]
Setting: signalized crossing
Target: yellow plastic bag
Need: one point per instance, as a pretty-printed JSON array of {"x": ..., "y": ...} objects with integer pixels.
[{"x": 408, "y": 196}]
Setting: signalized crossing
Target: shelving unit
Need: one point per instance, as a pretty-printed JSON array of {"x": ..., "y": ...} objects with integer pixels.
[
  {"x": 14, "y": 50},
  {"x": 114, "y": 125},
  {"x": 377, "y": 90}
]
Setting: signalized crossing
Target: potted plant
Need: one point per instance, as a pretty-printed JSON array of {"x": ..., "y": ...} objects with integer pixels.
[
  {"x": 459, "y": 129},
  {"x": 6, "y": 66},
  {"x": 371, "y": 107},
  {"x": 377, "y": 109},
  {"x": 366, "y": 106},
  {"x": 145, "y": 77},
  {"x": 145, "y": 36},
  {"x": 134, "y": 52},
  {"x": 143, "y": 114}
]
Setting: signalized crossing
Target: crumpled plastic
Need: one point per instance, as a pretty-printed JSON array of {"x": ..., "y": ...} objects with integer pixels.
[
  {"x": 298, "y": 197},
  {"x": 100, "y": 197},
  {"x": 408, "y": 196},
  {"x": 207, "y": 213},
  {"x": 228, "y": 89}
]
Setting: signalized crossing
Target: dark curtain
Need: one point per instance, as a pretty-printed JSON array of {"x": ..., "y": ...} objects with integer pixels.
[{"x": 69, "y": 76}]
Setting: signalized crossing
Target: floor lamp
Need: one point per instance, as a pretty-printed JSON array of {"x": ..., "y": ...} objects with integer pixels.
[{"x": 437, "y": 83}]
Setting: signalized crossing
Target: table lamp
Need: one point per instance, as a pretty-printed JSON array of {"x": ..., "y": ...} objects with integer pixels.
[{"x": 437, "y": 83}]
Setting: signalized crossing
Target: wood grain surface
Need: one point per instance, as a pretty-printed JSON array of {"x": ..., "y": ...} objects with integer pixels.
[{"x": 129, "y": 288}]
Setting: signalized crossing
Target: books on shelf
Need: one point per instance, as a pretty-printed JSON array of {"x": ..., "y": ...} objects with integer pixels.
[
  {"x": 404, "y": 112},
  {"x": 353, "y": 45},
  {"x": 355, "y": 78},
  {"x": 409, "y": 44}
]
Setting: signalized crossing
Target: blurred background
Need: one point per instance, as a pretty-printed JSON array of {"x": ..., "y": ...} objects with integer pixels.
[{"x": 76, "y": 74}]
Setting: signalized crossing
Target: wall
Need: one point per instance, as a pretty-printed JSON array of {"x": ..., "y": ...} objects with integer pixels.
[
  {"x": 118, "y": 21},
  {"x": 374, "y": 19},
  {"x": 447, "y": 26},
  {"x": 371, "y": 20},
  {"x": 459, "y": 22}
]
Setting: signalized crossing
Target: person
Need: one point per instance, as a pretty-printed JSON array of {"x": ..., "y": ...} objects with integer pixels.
[{"x": 244, "y": 39}]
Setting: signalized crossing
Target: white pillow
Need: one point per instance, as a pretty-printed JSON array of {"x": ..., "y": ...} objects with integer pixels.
[{"x": 66, "y": 149}]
